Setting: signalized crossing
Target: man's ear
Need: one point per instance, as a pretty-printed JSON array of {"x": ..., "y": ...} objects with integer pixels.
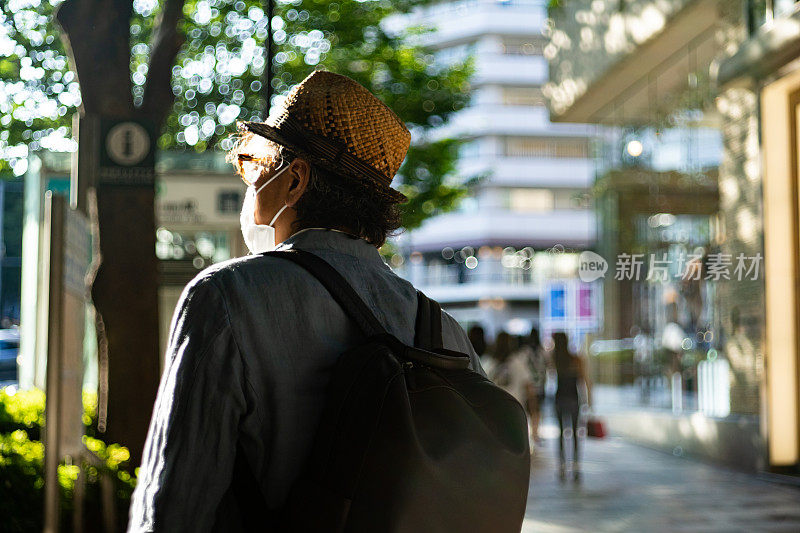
[{"x": 300, "y": 174}]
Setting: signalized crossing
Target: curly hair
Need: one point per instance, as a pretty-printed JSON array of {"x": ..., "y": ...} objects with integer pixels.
[{"x": 331, "y": 200}]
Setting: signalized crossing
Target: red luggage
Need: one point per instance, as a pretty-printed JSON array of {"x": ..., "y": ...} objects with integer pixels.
[{"x": 595, "y": 428}]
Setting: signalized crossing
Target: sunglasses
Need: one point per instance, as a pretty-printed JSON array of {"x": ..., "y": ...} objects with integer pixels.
[{"x": 251, "y": 168}]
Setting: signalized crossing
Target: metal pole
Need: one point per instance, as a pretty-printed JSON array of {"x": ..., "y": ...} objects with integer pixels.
[
  {"x": 2, "y": 245},
  {"x": 53, "y": 428},
  {"x": 268, "y": 53}
]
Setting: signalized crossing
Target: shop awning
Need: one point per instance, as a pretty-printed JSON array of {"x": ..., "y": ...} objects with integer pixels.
[{"x": 655, "y": 75}]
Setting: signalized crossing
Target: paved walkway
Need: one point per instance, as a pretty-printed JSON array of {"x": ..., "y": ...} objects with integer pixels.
[{"x": 630, "y": 488}]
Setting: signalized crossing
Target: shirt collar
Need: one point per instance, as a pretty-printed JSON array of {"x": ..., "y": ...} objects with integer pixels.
[{"x": 331, "y": 239}]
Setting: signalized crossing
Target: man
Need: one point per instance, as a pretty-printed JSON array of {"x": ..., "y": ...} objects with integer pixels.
[{"x": 253, "y": 340}]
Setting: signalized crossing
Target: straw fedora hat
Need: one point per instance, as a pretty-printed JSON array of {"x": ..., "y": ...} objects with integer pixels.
[{"x": 334, "y": 122}]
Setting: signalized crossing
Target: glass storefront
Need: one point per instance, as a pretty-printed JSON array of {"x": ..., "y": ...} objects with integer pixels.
[
  {"x": 670, "y": 359},
  {"x": 665, "y": 342},
  {"x": 200, "y": 248}
]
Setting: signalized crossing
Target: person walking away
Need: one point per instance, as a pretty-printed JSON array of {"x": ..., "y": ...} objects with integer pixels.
[
  {"x": 477, "y": 338},
  {"x": 571, "y": 393},
  {"x": 536, "y": 358},
  {"x": 510, "y": 370}
]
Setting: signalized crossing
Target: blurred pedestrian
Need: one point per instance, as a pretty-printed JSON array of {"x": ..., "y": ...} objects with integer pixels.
[
  {"x": 509, "y": 368},
  {"x": 536, "y": 359},
  {"x": 477, "y": 336},
  {"x": 572, "y": 393}
]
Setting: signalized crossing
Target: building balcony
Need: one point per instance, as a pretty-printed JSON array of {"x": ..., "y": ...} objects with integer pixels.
[
  {"x": 566, "y": 172},
  {"x": 464, "y": 21},
  {"x": 572, "y": 228},
  {"x": 487, "y": 280},
  {"x": 509, "y": 69},
  {"x": 482, "y": 120},
  {"x": 478, "y": 292},
  {"x": 627, "y": 65}
]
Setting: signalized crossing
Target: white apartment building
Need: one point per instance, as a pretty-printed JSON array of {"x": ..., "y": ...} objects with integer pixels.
[{"x": 506, "y": 259}]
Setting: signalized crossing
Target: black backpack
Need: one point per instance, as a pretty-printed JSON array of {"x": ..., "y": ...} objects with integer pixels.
[{"x": 410, "y": 439}]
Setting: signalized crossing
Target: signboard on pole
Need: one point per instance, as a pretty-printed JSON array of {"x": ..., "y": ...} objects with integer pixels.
[
  {"x": 67, "y": 255},
  {"x": 127, "y": 152}
]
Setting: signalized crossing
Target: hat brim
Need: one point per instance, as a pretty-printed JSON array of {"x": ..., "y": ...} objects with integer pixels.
[{"x": 274, "y": 134}]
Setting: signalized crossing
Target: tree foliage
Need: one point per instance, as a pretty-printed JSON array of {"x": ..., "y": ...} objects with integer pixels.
[
  {"x": 38, "y": 92},
  {"x": 218, "y": 75},
  {"x": 22, "y": 466}
]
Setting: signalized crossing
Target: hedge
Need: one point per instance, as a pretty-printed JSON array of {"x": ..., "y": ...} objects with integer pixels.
[{"x": 22, "y": 467}]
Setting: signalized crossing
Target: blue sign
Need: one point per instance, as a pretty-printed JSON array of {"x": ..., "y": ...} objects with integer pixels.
[{"x": 558, "y": 302}]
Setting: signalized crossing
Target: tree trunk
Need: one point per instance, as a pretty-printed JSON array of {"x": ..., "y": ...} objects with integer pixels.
[
  {"x": 96, "y": 35},
  {"x": 125, "y": 289}
]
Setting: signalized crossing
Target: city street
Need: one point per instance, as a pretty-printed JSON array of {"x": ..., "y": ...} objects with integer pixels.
[
  {"x": 630, "y": 488},
  {"x": 598, "y": 197}
]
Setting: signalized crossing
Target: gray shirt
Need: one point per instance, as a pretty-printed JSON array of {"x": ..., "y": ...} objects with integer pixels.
[{"x": 251, "y": 347}]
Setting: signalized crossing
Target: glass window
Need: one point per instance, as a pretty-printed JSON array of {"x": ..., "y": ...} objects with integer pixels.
[
  {"x": 783, "y": 7},
  {"x": 543, "y": 147},
  {"x": 229, "y": 202},
  {"x": 531, "y": 96},
  {"x": 757, "y": 14},
  {"x": 523, "y": 47},
  {"x": 762, "y": 11},
  {"x": 531, "y": 200},
  {"x": 684, "y": 149},
  {"x": 571, "y": 199}
]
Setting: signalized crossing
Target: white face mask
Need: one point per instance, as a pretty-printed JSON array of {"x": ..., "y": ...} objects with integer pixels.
[{"x": 259, "y": 238}]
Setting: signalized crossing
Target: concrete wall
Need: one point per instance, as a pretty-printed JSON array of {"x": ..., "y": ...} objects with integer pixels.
[
  {"x": 741, "y": 302},
  {"x": 734, "y": 441}
]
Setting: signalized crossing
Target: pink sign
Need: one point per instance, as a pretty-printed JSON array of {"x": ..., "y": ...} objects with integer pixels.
[{"x": 585, "y": 301}]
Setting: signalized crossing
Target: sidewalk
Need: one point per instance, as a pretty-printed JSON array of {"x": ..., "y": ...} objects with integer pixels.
[{"x": 630, "y": 488}]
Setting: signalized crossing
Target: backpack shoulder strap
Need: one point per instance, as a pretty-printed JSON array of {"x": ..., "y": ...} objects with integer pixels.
[
  {"x": 428, "y": 335},
  {"x": 337, "y": 286}
]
